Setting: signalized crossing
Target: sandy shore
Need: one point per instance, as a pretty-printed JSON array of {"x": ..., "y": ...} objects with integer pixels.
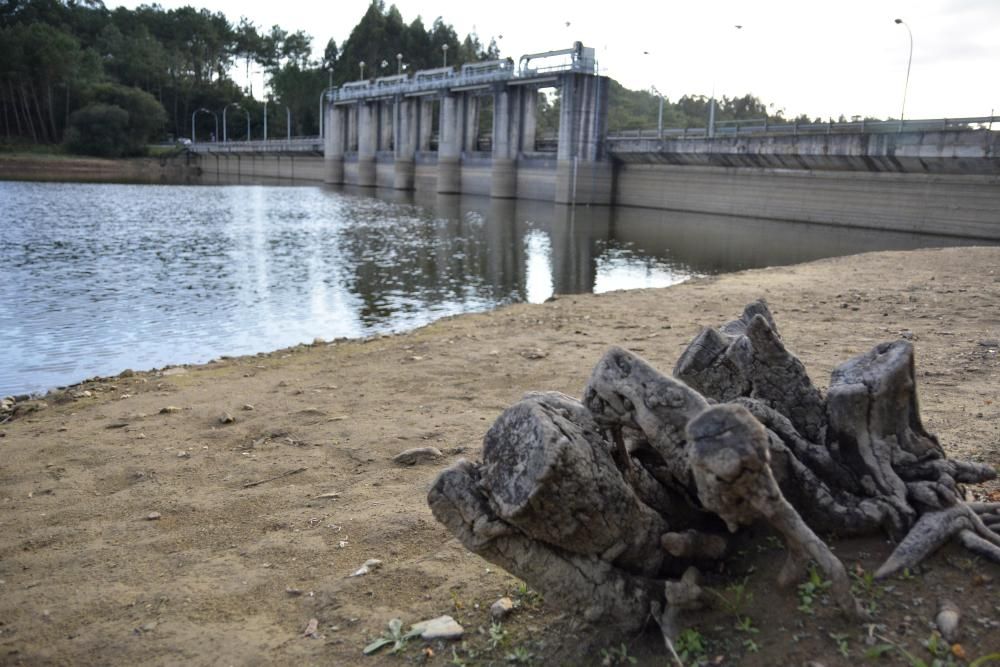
[{"x": 227, "y": 572}]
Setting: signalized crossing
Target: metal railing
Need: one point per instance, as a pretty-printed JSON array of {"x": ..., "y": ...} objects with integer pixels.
[
  {"x": 443, "y": 78},
  {"x": 294, "y": 145},
  {"x": 764, "y": 126}
]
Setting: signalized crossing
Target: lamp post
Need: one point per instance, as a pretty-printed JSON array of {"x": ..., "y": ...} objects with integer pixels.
[
  {"x": 361, "y": 64},
  {"x": 909, "y": 62},
  {"x": 659, "y": 116},
  {"x": 195, "y": 113},
  {"x": 444, "y": 51},
  {"x": 322, "y": 113},
  {"x": 399, "y": 63},
  {"x": 225, "y": 129},
  {"x": 288, "y": 123},
  {"x": 265, "y": 120}
]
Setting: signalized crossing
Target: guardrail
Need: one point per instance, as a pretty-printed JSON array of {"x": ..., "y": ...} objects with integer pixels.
[
  {"x": 442, "y": 78},
  {"x": 313, "y": 144},
  {"x": 764, "y": 126}
]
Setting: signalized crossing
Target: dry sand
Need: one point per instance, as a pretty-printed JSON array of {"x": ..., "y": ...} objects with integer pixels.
[{"x": 232, "y": 574}]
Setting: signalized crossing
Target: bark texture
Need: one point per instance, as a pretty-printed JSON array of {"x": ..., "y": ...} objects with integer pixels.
[{"x": 603, "y": 503}]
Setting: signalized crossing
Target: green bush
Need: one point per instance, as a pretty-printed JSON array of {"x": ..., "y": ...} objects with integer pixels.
[
  {"x": 99, "y": 129},
  {"x": 146, "y": 116}
]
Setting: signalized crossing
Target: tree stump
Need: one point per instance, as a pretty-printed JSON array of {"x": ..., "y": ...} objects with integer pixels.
[{"x": 603, "y": 503}]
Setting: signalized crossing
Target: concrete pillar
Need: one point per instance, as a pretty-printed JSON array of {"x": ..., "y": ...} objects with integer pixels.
[
  {"x": 529, "y": 119},
  {"x": 425, "y": 124},
  {"x": 366, "y": 144},
  {"x": 333, "y": 144},
  {"x": 405, "y": 144},
  {"x": 583, "y": 171},
  {"x": 449, "y": 148},
  {"x": 352, "y": 128},
  {"x": 470, "y": 122},
  {"x": 506, "y": 141},
  {"x": 386, "y": 108}
]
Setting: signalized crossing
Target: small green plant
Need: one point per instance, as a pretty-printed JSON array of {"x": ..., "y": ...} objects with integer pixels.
[
  {"x": 865, "y": 588},
  {"x": 751, "y": 646},
  {"x": 498, "y": 636},
  {"x": 690, "y": 646},
  {"x": 745, "y": 624},
  {"x": 519, "y": 655},
  {"x": 616, "y": 655},
  {"x": 735, "y": 598},
  {"x": 811, "y": 590},
  {"x": 842, "y": 645},
  {"x": 526, "y": 596},
  {"x": 393, "y": 636}
]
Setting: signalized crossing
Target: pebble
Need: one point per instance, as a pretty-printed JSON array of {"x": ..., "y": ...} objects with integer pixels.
[
  {"x": 501, "y": 609},
  {"x": 417, "y": 455},
  {"x": 990, "y": 343},
  {"x": 947, "y": 620},
  {"x": 169, "y": 410},
  {"x": 534, "y": 353},
  {"x": 153, "y": 516},
  {"x": 226, "y": 418},
  {"x": 248, "y": 407},
  {"x": 370, "y": 565},
  {"x": 442, "y": 627},
  {"x": 127, "y": 373},
  {"x": 183, "y": 455}
]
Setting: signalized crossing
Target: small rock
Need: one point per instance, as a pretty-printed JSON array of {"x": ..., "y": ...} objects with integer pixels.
[
  {"x": 534, "y": 353},
  {"x": 183, "y": 455},
  {"x": 127, "y": 373},
  {"x": 226, "y": 418},
  {"x": 169, "y": 410},
  {"x": 248, "y": 407},
  {"x": 312, "y": 629},
  {"x": 442, "y": 627},
  {"x": 990, "y": 343},
  {"x": 947, "y": 620},
  {"x": 501, "y": 609},
  {"x": 417, "y": 455},
  {"x": 370, "y": 565},
  {"x": 293, "y": 592},
  {"x": 153, "y": 516}
]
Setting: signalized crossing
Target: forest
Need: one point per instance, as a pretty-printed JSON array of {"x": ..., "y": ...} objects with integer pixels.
[{"x": 109, "y": 82}]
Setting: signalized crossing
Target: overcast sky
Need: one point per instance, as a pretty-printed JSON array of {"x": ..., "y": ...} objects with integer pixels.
[{"x": 805, "y": 56}]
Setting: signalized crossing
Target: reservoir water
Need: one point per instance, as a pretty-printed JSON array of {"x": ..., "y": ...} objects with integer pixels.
[{"x": 96, "y": 278}]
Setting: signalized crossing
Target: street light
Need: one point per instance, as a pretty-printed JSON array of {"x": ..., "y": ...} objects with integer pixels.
[
  {"x": 195, "y": 113},
  {"x": 909, "y": 61},
  {"x": 659, "y": 116},
  {"x": 399, "y": 63},
  {"x": 225, "y": 135},
  {"x": 361, "y": 64},
  {"x": 444, "y": 50}
]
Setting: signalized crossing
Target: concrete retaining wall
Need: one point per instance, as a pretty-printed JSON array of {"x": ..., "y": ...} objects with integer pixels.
[
  {"x": 966, "y": 206},
  {"x": 952, "y": 205}
]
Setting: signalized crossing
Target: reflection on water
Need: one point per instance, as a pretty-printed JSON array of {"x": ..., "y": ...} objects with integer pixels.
[{"x": 100, "y": 277}]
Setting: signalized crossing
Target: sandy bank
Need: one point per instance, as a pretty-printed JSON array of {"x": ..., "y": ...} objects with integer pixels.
[{"x": 231, "y": 573}]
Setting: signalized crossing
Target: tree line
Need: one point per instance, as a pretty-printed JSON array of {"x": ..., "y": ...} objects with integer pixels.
[{"x": 110, "y": 81}]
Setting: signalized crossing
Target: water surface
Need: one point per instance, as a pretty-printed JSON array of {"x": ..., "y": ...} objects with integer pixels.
[{"x": 96, "y": 278}]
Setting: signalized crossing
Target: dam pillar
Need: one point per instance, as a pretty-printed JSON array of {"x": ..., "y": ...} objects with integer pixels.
[
  {"x": 583, "y": 170},
  {"x": 405, "y": 144},
  {"x": 425, "y": 124},
  {"x": 449, "y": 146},
  {"x": 386, "y": 109},
  {"x": 367, "y": 137},
  {"x": 529, "y": 119},
  {"x": 470, "y": 122},
  {"x": 506, "y": 141},
  {"x": 333, "y": 144}
]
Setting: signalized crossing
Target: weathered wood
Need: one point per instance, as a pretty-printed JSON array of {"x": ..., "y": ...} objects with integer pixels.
[{"x": 600, "y": 502}]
